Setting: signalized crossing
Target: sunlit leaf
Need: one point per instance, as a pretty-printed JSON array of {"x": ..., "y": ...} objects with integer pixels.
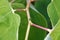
[
  {"x": 9, "y": 22},
  {"x": 53, "y": 14},
  {"x": 55, "y": 35}
]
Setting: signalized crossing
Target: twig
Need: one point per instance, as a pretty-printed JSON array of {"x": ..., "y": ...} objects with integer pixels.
[
  {"x": 46, "y": 29},
  {"x": 20, "y": 9}
]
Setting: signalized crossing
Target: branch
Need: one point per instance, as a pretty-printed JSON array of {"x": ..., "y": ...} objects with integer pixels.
[{"x": 28, "y": 15}]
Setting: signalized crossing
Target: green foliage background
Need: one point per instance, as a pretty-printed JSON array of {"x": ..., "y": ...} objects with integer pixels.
[{"x": 45, "y": 13}]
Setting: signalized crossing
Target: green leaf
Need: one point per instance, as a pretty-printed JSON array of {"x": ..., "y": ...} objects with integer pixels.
[
  {"x": 55, "y": 35},
  {"x": 18, "y": 6},
  {"x": 53, "y": 14},
  {"x": 23, "y": 25},
  {"x": 41, "y": 6},
  {"x": 24, "y": 21},
  {"x": 18, "y": 1},
  {"x": 9, "y": 22},
  {"x": 39, "y": 19},
  {"x": 21, "y": 1},
  {"x": 57, "y": 6}
]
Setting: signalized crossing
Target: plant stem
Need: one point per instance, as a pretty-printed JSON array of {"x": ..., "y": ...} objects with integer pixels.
[
  {"x": 12, "y": 1},
  {"x": 28, "y": 16},
  {"x": 46, "y": 29},
  {"x": 28, "y": 28},
  {"x": 20, "y": 10}
]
